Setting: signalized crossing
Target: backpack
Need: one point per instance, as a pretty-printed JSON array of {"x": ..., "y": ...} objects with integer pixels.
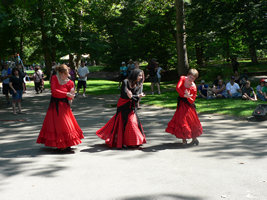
[{"x": 260, "y": 113}]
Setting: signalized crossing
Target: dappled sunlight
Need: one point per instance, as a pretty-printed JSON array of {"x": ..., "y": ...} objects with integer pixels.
[{"x": 225, "y": 138}]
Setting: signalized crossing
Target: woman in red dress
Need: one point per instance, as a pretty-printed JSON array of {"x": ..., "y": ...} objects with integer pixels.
[
  {"x": 185, "y": 123},
  {"x": 124, "y": 128},
  {"x": 60, "y": 128}
]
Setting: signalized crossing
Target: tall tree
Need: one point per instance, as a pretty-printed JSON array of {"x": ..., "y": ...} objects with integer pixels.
[{"x": 182, "y": 60}]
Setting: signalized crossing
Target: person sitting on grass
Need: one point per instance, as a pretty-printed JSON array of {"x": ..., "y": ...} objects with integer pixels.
[
  {"x": 248, "y": 92},
  {"x": 220, "y": 90},
  {"x": 260, "y": 94},
  {"x": 203, "y": 90},
  {"x": 264, "y": 90},
  {"x": 233, "y": 89}
]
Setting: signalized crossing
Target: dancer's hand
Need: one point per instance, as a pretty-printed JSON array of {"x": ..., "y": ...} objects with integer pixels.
[
  {"x": 72, "y": 91},
  {"x": 70, "y": 95},
  {"x": 187, "y": 94},
  {"x": 141, "y": 95}
]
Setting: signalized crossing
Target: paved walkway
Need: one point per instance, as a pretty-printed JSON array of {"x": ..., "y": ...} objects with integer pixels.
[{"x": 229, "y": 163}]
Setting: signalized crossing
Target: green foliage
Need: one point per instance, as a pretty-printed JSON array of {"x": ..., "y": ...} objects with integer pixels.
[{"x": 117, "y": 30}]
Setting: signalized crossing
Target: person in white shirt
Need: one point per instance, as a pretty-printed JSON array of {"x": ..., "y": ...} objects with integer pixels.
[
  {"x": 82, "y": 77},
  {"x": 38, "y": 79},
  {"x": 233, "y": 89}
]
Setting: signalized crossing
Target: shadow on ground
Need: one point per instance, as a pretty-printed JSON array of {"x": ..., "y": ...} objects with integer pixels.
[{"x": 224, "y": 137}]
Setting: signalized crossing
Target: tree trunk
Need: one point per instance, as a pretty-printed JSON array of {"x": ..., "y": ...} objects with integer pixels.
[
  {"x": 45, "y": 41},
  {"x": 71, "y": 62},
  {"x": 21, "y": 47},
  {"x": 78, "y": 60},
  {"x": 182, "y": 60},
  {"x": 252, "y": 48},
  {"x": 227, "y": 50}
]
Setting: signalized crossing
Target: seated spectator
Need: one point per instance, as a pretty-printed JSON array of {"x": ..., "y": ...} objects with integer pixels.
[
  {"x": 237, "y": 77},
  {"x": 233, "y": 89},
  {"x": 203, "y": 89},
  {"x": 260, "y": 94},
  {"x": 220, "y": 90},
  {"x": 264, "y": 90},
  {"x": 248, "y": 92},
  {"x": 215, "y": 83}
]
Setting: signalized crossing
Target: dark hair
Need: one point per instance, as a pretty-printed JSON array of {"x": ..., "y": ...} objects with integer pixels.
[
  {"x": 13, "y": 71},
  {"x": 134, "y": 74}
]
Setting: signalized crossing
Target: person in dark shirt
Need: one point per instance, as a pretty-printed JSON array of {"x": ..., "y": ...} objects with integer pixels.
[
  {"x": 17, "y": 86},
  {"x": 215, "y": 83},
  {"x": 235, "y": 64},
  {"x": 124, "y": 129},
  {"x": 248, "y": 92},
  {"x": 152, "y": 74},
  {"x": 203, "y": 90}
]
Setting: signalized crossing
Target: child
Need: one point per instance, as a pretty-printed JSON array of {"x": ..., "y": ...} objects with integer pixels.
[
  {"x": 185, "y": 123},
  {"x": 248, "y": 92}
]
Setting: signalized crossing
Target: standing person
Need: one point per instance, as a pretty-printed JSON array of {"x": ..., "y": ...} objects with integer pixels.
[
  {"x": 130, "y": 66},
  {"x": 151, "y": 68},
  {"x": 248, "y": 92},
  {"x": 137, "y": 66},
  {"x": 6, "y": 74},
  {"x": 235, "y": 64},
  {"x": 60, "y": 128},
  {"x": 123, "y": 73},
  {"x": 38, "y": 79},
  {"x": 82, "y": 74},
  {"x": 17, "y": 86},
  {"x": 53, "y": 70},
  {"x": 158, "y": 70},
  {"x": 72, "y": 73},
  {"x": 124, "y": 128},
  {"x": 185, "y": 123},
  {"x": 23, "y": 74}
]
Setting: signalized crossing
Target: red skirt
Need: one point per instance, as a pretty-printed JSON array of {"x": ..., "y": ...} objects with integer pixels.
[
  {"x": 185, "y": 123},
  {"x": 60, "y": 128},
  {"x": 116, "y": 133}
]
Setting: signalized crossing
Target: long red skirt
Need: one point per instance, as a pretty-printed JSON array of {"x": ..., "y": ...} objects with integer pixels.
[
  {"x": 116, "y": 135},
  {"x": 185, "y": 123},
  {"x": 60, "y": 129}
]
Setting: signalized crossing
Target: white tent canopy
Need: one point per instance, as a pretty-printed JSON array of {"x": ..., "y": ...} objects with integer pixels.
[{"x": 66, "y": 57}]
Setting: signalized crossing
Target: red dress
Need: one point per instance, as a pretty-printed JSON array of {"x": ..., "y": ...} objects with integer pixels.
[
  {"x": 60, "y": 128},
  {"x": 185, "y": 123},
  {"x": 124, "y": 128}
]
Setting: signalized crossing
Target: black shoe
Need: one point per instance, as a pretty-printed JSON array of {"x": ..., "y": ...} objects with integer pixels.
[{"x": 195, "y": 142}]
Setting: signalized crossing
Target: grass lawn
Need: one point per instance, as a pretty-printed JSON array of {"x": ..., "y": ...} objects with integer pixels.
[{"x": 168, "y": 98}]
